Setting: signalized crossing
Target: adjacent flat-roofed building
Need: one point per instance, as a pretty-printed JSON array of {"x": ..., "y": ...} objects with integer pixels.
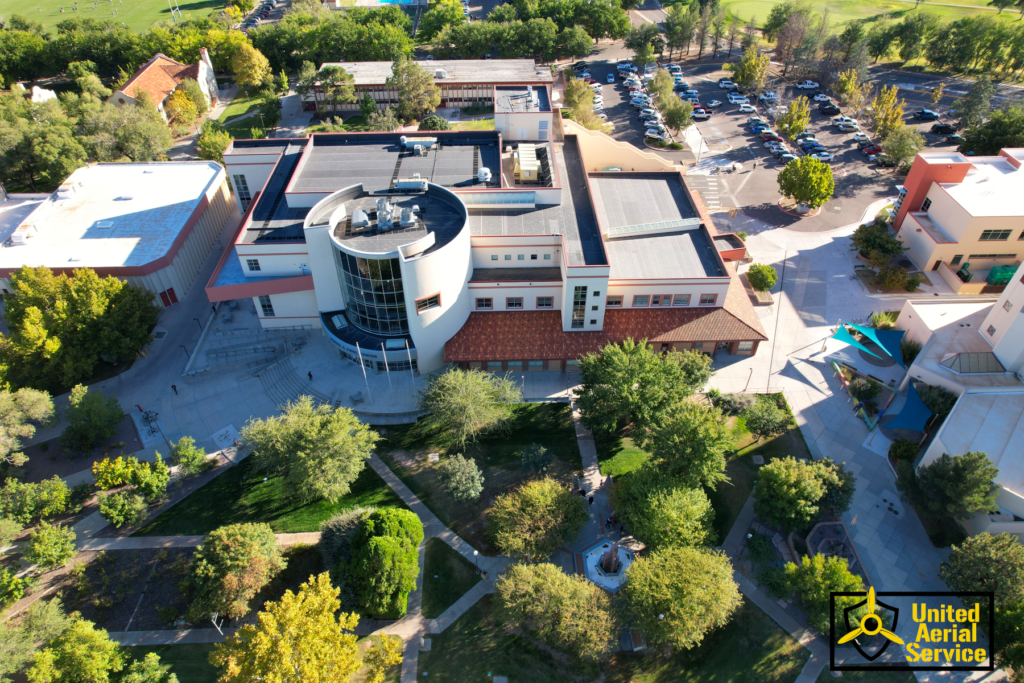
[
  {"x": 150, "y": 224},
  {"x": 953, "y": 210},
  {"x": 439, "y": 247}
]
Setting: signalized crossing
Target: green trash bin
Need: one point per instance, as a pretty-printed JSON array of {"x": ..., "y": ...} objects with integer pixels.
[{"x": 1000, "y": 275}]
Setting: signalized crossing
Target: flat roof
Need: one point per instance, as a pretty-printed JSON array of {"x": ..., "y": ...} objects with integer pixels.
[
  {"x": 992, "y": 187},
  {"x": 633, "y": 198},
  {"x": 457, "y": 71},
  {"x": 15, "y": 209},
  {"x": 679, "y": 255},
  {"x": 932, "y": 228},
  {"x": 438, "y": 214},
  {"x": 232, "y": 274},
  {"x": 119, "y": 215},
  {"x": 521, "y": 98},
  {"x": 993, "y": 423}
]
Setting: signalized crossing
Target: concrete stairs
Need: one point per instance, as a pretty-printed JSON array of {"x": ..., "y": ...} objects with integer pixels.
[{"x": 284, "y": 385}]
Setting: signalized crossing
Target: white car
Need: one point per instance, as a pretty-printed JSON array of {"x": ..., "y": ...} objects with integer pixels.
[
  {"x": 748, "y": 108},
  {"x": 703, "y": 115},
  {"x": 726, "y": 84},
  {"x": 601, "y": 115},
  {"x": 849, "y": 127},
  {"x": 822, "y": 97},
  {"x": 774, "y": 143},
  {"x": 860, "y": 137},
  {"x": 625, "y": 66},
  {"x": 842, "y": 119},
  {"x": 739, "y": 99},
  {"x": 806, "y": 85},
  {"x": 823, "y": 156},
  {"x": 713, "y": 104},
  {"x": 654, "y": 136},
  {"x": 769, "y": 96}
]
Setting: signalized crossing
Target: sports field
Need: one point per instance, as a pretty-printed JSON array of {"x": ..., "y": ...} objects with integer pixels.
[
  {"x": 842, "y": 11},
  {"x": 135, "y": 14}
]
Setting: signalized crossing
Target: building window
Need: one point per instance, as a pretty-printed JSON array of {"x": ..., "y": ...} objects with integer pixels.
[
  {"x": 374, "y": 295},
  {"x": 545, "y": 302},
  {"x": 597, "y": 292},
  {"x": 535, "y": 364},
  {"x": 268, "y": 308},
  {"x": 1007, "y": 305},
  {"x": 698, "y": 345},
  {"x": 991, "y": 330},
  {"x": 494, "y": 257},
  {"x": 926, "y": 205},
  {"x": 521, "y": 257},
  {"x": 547, "y": 257},
  {"x": 514, "y": 302},
  {"x": 579, "y": 306},
  {"x": 613, "y": 302},
  {"x": 484, "y": 304},
  {"x": 252, "y": 263},
  {"x": 515, "y": 365},
  {"x": 681, "y": 300},
  {"x": 992, "y": 256},
  {"x": 533, "y": 257},
  {"x": 708, "y": 299},
  {"x": 641, "y": 300},
  {"x": 994, "y": 235},
  {"x": 956, "y": 260},
  {"x": 661, "y": 299},
  {"x": 494, "y": 365},
  {"x": 745, "y": 346},
  {"x": 242, "y": 188},
  {"x": 593, "y": 308},
  {"x": 508, "y": 257},
  {"x": 593, "y": 322},
  {"x": 428, "y": 302}
]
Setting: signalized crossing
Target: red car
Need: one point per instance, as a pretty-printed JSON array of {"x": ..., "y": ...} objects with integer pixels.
[
  {"x": 589, "y": 81},
  {"x": 869, "y": 151},
  {"x": 769, "y": 136}
]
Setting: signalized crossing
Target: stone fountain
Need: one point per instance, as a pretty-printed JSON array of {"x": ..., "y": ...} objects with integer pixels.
[{"x": 605, "y": 564}]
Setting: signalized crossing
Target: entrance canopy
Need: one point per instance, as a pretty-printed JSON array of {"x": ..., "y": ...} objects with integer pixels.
[
  {"x": 889, "y": 340},
  {"x": 914, "y": 414},
  {"x": 843, "y": 335}
]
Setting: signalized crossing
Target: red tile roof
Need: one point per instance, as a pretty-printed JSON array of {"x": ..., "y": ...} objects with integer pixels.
[
  {"x": 159, "y": 77},
  {"x": 538, "y": 335}
]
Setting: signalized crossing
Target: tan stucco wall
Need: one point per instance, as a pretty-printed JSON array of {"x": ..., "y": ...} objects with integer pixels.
[{"x": 601, "y": 151}]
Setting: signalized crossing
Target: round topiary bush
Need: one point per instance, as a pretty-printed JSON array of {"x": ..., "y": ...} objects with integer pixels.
[
  {"x": 435, "y": 122},
  {"x": 762, "y": 277}
]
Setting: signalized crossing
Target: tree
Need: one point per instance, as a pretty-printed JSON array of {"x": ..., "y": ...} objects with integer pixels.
[
  {"x": 808, "y": 181},
  {"x": 441, "y": 13},
  {"x": 9, "y": 530},
  {"x": 880, "y": 41},
  {"x": 368, "y": 107},
  {"x": 876, "y": 242},
  {"x": 788, "y": 491},
  {"x": 503, "y": 14},
  {"x": 959, "y": 485},
  {"x": 297, "y": 638},
  {"x": 81, "y": 653},
  {"x": 678, "y": 595},
  {"x": 814, "y": 580},
  {"x": 123, "y": 508},
  {"x": 318, "y": 451},
  {"x": 269, "y": 109},
  {"x": 776, "y": 21},
  {"x": 181, "y": 109},
  {"x": 230, "y": 567},
  {"x": 417, "y": 94},
  {"x": 849, "y": 90},
  {"x": 148, "y": 670},
  {"x": 385, "y": 561},
  {"x": 38, "y": 141},
  {"x": 435, "y": 122},
  {"x": 338, "y": 86},
  {"x": 212, "y": 141},
  {"x": 987, "y": 562},
  {"x": 188, "y": 458},
  {"x": 385, "y": 120},
  {"x": 568, "y": 613},
  {"x": 50, "y": 546},
  {"x": 794, "y": 120},
  {"x": 903, "y": 144},
  {"x": 690, "y": 442},
  {"x": 1004, "y": 129},
  {"x": 765, "y": 419},
  {"x": 574, "y": 42},
  {"x": 752, "y": 69},
  {"x": 135, "y": 132},
  {"x": 18, "y": 410},
  {"x": 840, "y": 485},
  {"x": 250, "y": 66},
  {"x": 937, "y": 94},
  {"x": 887, "y": 112},
  {"x": 461, "y": 477},
  {"x": 536, "y": 458},
  {"x": 629, "y": 383},
  {"x": 468, "y": 403},
  {"x": 762, "y": 277},
  {"x": 1002, "y": 4},
  {"x": 26, "y": 502},
  {"x": 975, "y": 105},
  {"x": 381, "y": 657},
  {"x": 92, "y": 418},
  {"x": 678, "y": 115},
  {"x": 533, "y": 521},
  {"x": 306, "y": 83},
  {"x": 663, "y": 512}
]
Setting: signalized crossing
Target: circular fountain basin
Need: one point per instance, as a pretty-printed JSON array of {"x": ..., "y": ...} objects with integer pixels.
[{"x": 610, "y": 581}]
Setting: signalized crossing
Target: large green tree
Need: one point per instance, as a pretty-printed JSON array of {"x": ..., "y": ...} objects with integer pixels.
[
  {"x": 82, "y": 653},
  {"x": 690, "y": 441},
  {"x": 50, "y": 546},
  {"x": 903, "y": 144},
  {"x": 788, "y": 491},
  {"x": 18, "y": 411},
  {"x": 814, "y": 580},
  {"x": 92, "y": 418},
  {"x": 808, "y": 181},
  {"x": 752, "y": 69},
  {"x": 662, "y": 511},
  {"x": 679, "y": 595},
  {"x": 568, "y": 613},
  {"x": 230, "y": 567},
  {"x": 212, "y": 141},
  {"x": 987, "y": 562},
  {"x": 337, "y": 85},
  {"x": 631, "y": 384},
  {"x": 317, "y": 450},
  {"x": 39, "y": 144},
  {"x": 417, "y": 93},
  {"x": 440, "y": 13},
  {"x": 1005, "y": 128},
  {"x": 959, "y": 485},
  {"x": 536, "y": 519},
  {"x": 468, "y": 403},
  {"x": 385, "y": 561},
  {"x": 794, "y": 120},
  {"x": 135, "y": 132},
  {"x": 765, "y": 419}
]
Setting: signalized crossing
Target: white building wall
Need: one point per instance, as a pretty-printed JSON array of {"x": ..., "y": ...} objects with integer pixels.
[
  {"x": 627, "y": 290},
  {"x": 597, "y": 290},
  {"x": 324, "y": 268},
  {"x": 947, "y": 213},
  {"x": 523, "y": 125},
  {"x": 293, "y": 309},
  {"x": 1007, "y": 317},
  {"x": 274, "y": 259},
  {"x": 254, "y": 168},
  {"x": 499, "y": 293}
]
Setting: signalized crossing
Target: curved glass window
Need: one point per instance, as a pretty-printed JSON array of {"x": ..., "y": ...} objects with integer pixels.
[{"x": 373, "y": 291}]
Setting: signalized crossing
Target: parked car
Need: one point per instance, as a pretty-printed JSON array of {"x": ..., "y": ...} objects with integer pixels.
[
  {"x": 701, "y": 115},
  {"x": 828, "y": 108},
  {"x": 885, "y": 160},
  {"x": 601, "y": 115},
  {"x": 747, "y": 109},
  {"x": 848, "y": 127},
  {"x": 954, "y": 139},
  {"x": 861, "y": 137},
  {"x": 627, "y": 66},
  {"x": 871, "y": 150},
  {"x": 806, "y": 85},
  {"x": 652, "y": 112},
  {"x": 769, "y": 136},
  {"x": 822, "y": 97},
  {"x": 926, "y": 115},
  {"x": 726, "y": 84},
  {"x": 843, "y": 119},
  {"x": 823, "y": 156},
  {"x": 781, "y": 151},
  {"x": 611, "y": 78},
  {"x": 654, "y": 132},
  {"x": 786, "y": 158},
  {"x": 943, "y": 128},
  {"x": 804, "y": 136},
  {"x": 767, "y": 97},
  {"x": 692, "y": 99},
  {"x": 655, "y": 136},
  {"x": 713, "y": 104},
  {"x": 735, "y": 98}
]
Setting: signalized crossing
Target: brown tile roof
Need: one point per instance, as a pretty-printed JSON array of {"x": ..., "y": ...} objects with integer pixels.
[
  {"x": 538, "y": 335},
  {"x": 159, "y": 77}
]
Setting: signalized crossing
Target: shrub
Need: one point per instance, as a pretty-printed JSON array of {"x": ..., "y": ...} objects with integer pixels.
[
  {"x": 79, "y": 494},
  {"x": 737, "y": 403},
  {"x": 9, "y": 530},
  {"x": 189, "y": 459},
  {"x": 936, "y": 399},
  {"x": 959, "y": 485},
  {"x": 385, "y": 561},
  {"x": 92, "y": 419},
  {"x": 230, "y": 567},
  {"x": 109, "y": 474},
  {"x": 788, "y": 492},
  {"x": 27, "y": 502},
  {"x": 891, "y": 277},
  {"x": 675, "y": 146},
  {"x": 909, "y": 350},
  {"x": 12, "y": 588},
  {"x": 764, "y": 419},
  {"x": 813, "y": 581},
  {"x": 903, "y": 449},
  {"x": 536, "y": 458},
  {"x": 762, "y": 277},
  {"x": 742, "y": 235},
  {"x": 336, "y": 535},
  {"x": 151, "y": 478},
  {"x": 913, "y": 282},
  {"x": 884, "y": 320},
  {"x": 434, "y": 122},
  {"x": 123, "y": 508},
  {"x": 864, "y": 389},
  {"x": 535, "y": 520},
  {"x": 50, "y": 546},
  {"x": 461, "y": 477}
]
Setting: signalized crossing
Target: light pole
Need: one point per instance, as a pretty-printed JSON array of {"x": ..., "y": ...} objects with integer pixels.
[
  {"x": 186, "y": 351},
  {"x": 476, "y": 560},
  {"x": 198, "y": 323}
]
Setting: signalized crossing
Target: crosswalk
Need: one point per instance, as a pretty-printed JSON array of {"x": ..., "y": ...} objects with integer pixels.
[{"x": 709, "y": 187}]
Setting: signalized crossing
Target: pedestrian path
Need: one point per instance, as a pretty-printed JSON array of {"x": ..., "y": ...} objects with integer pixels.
[
  {"x": 151, "y": 542},
  {"x": 593, "y": 484}
]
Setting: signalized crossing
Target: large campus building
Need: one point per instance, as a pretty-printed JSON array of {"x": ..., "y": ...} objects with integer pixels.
[
  {"x": 150, "y": 224},
  {"x": 461, "y": 247},
  {"x": 954, "y": 210}
]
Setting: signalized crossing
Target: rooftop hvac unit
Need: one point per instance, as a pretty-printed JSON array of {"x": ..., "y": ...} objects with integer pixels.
[
  {"x": 407, "y": 217},
  {"x": 360, "y": 219},
  {"x": 383, "y": 213},
  {"x": 420, "y": 152},
  {"x": 415, "y": 184},
  {"x": 23, "y": 233},
  {"x": 66, "y": 191},
  {"x": 483, "y": 175},
  {"x": 408, "y": 142},
  {"x": 440, "y": 73}
]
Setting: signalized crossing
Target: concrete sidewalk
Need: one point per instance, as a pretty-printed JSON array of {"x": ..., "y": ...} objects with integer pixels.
[{"x": 150, "y": 542}]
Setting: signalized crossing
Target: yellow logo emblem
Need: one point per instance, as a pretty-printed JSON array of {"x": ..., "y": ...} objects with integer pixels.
[{"x": 870, "y": 624}]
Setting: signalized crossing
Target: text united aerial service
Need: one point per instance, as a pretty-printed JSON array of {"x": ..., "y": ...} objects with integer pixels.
[{"x": 945, "y": 635}]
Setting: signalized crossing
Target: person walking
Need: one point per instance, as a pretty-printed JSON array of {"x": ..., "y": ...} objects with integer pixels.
[
  {"x": 590, "y": 501},
  {"x": 310, "y": 373},
  {"x": 175, "y": 388}
]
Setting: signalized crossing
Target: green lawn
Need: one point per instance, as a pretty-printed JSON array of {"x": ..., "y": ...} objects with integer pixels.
[
  {"x": 190, "y": 663},
  {"x": 842, "y": 11},
  {"x": 476, "y": 124},
  {"x": 231, "y": 499},
  {"x": 136, "y": 14},
  {"x": 240, "y": 106},
  {"x": 618, "y": 455},
  {"x": 749, "y": 649},
  {"x": 869, "y": 677},
  {"x": 447, "y": 576}
]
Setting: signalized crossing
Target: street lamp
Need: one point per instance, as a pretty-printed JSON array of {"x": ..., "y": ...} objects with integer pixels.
[
  {"x": 476, "y": 561},
  {"x": 186, "y": 351},
  {"x": 198, "y": 323}
]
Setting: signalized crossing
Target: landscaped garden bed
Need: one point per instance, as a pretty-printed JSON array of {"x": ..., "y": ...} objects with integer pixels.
[
  {"x": 48, "y": 458},
  {"x": 854, "y": 383}
]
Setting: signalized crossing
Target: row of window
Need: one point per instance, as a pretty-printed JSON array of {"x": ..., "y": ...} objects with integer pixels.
[
  {"x": 642, "y": 300},
  {"x": 514, "y": 303},
  {"x": 996, "y": 236},
  {"x": 426, "y": 303},
  {"x": 521, "y": 257}
]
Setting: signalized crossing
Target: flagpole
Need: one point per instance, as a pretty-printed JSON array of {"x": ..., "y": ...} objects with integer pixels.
[
  {"x": 386, "y": 368},
  {"x": 363, "y": 366}
]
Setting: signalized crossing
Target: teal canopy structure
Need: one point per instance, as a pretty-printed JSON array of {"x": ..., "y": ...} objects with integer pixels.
[
  {"x": 914, "y": 414},
  {"x": 843, "y": 335},
  {"x": 889, "y": 340}
]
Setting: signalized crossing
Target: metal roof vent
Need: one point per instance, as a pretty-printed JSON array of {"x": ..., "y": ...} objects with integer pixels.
[{"x": 104, "y": 224}]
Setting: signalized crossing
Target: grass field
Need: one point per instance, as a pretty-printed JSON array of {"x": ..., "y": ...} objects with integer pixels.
[
  {"x": 235, "y": 497},
  {"x": 135, "y": 14},
  {"x": 842, "y": 11},
  {"x": 188, "y": 662},
  {"x": 447, "y": 576}
]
